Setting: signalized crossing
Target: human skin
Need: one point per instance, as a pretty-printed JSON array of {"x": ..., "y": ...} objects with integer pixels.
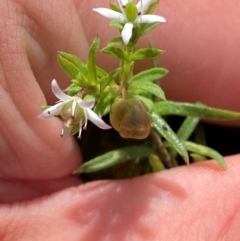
[{"x": 40, "y": 199}]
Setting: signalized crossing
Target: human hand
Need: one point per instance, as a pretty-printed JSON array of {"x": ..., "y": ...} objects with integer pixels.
[{"x": 40, "y": 198}]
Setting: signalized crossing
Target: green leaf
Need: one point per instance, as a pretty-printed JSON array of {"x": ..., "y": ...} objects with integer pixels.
[
  {"x": 146, "y": 28},
  {"x": 103, "y": 105},
  {"x": 114, "y": 157},
  {"x": 205, "y": 151},
  {"x": 71, "y": 64},
  {"x": 115, "y": 52},
  {"x": 187, "y": 128},
  {"x": 154, "y": 89},
  {"x": 185, "y": 131},
  {"x": 115, "y": 7},
  {"x": 92, "y": 72},
  {"x": 116, "y": 24},
  {"x": 156, "y": 163},
  {"x": 146, "y": 101},
  {"x": 73, "y": 89},
  {"x": 187, "y": 109},
  {"x": 115, "y": 42},
  {"x": 152, "y": 7},
  {"x": 146, "y": 53},
  {"x": 149, "y": 75},
  {"x": 100, "y": 72},
  {"x": 199, "y": 135},
  {"x": 106, "y": 80},
  {"x": 45, "y": 107},
  {"x": 69, "y": 68},
  {"x": 160, "y": 125}
]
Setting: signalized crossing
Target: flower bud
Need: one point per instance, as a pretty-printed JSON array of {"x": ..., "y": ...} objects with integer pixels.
[{"x": 130, "y": 118}]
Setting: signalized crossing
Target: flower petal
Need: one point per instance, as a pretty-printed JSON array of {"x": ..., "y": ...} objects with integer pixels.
[
  {"x": 86, "y": 103},
  {"x": 143, "y": 5},
  {"x": 122, "y": 3},
  {"x": 127, "y": 32},
  {"x": 52, "y": 111},
  {"x": 111, "y": 14},
  {"x": 94, "y": 118},
  {"x": 149, "y": 18},
  {"x": 58, "y": 92}
]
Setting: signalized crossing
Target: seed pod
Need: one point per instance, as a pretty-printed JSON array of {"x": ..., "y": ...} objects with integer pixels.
[
  {"x": 72, "y": 113},
  {"x": 130, "y": 118}
]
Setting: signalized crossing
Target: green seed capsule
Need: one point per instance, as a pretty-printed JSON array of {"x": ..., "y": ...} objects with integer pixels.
[
  {"x": 72, "y": 111},
  {"x": 130, "y": 118}
]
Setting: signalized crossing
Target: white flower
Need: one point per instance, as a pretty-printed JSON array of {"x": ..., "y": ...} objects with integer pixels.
[
  {"x": 74, "y": 112},
  {"x": 131, "y": 14}
]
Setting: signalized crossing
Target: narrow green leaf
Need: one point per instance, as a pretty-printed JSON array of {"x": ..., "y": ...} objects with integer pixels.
[
  {"x": 116, "y": 24},
  {"x": 147, "y": 102},
  {"x": 114, "y": 157},
  {"x": 156, "y": 163},
  {"x": 160, "y": 125},
  {"x": 45, "y": 107},
  {"x": 154, "y": 89},
  {"x": 187, "y": 128},
  {"x": 69, "y": 68},
  {"x": 146, "y": 53},
  {"x": 73, "y": 89},
  {"x": 106, "y": 80},
  {"x": 146, "y": 28},
  {"x": 71, "y": 60},
  {"x": 187, "y": 109},
  {"x": 92, "y": 72},
  {"x": 103, "y": 105},
  {"x": 100, "y": 72},
  {"x": 115, "y": 7},
  {"x": 115, "y": 52},
  {"x": 152, "y": 7},
  {"x": 197, "y": 157},
  {"x": 199, "y": 136},
  {"x": 185, "y": 131},
  {"x": 205, "y": 151},
  {"x": 149, "y": 75},
  {"x": 115, "y": 42}
]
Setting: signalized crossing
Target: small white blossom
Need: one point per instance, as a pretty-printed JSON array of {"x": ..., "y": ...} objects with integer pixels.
[
  {"x": 73, "y": 111},
  {"x": 131, "y": 14}
]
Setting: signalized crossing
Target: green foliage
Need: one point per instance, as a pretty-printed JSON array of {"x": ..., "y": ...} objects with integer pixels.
[
  {"x": 116, "y": 24},
  {"x": 149, "y": 75},
  {"x": 115, "y": 7},
  {"x": 156, "y": 163},
  {"x": 188, "y": 109},
  {"x": 152, "y": 7},
  {"x": 115, "y": 52},
  {"x": 185, "y": 131},
  {"x": 206, "y": 151},
  {"x": 138, "y": 86},
  {"x": 115, "y": 157},
  {"x": 161, "y": 126},
  {"x": 145, "y": 53},
  {"x": 90, "y": 81},
  {"x": 115, "y": 42},
  {"x": 92, "y": 72}
]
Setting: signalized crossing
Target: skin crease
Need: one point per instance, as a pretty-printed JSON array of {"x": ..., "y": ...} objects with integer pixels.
[{"x": 40, "y": 199}]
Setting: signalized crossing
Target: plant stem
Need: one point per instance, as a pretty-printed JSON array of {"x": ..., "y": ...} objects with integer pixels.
[{"x": 162, "y": 151}]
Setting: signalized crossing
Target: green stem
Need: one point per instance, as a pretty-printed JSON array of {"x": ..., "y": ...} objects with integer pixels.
[{"x": 127, "y": 68}]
